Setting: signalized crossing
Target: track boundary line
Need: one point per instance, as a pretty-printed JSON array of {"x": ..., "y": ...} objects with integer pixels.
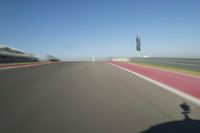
[
  {"x": 166, "y": 87},
  {"x": 22, "y": 66}
]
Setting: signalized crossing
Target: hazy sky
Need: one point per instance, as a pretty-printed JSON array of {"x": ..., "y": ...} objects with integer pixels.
[{"x": 103, "y": 28}]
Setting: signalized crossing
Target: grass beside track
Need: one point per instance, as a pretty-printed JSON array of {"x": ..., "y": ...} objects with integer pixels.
[{"x": 171, "y": 68}]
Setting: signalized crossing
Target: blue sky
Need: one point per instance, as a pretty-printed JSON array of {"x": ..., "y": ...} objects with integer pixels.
[{"x": 103, "y": 28}]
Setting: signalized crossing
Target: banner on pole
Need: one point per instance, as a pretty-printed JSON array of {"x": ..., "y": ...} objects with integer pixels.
[{"x": 138, "y": 43}]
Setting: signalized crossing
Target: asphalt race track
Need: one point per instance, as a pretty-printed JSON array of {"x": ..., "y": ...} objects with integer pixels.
[{"x": 86, "y": 97}]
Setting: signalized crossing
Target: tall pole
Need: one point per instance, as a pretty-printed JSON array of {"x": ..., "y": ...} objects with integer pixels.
[{"x": 138, "y": 44}]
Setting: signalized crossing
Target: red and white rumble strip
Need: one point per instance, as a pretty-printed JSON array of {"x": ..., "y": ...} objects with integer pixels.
[{"x": 185, "y": 86}]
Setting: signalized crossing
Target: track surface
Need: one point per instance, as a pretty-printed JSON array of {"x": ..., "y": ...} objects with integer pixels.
[{"x": 85, "y": 97}]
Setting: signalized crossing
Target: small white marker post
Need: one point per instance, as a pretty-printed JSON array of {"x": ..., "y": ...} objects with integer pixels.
[{"x": 93, "y": 59}]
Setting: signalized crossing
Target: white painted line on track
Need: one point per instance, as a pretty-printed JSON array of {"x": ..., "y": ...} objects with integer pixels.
[{"x": 168, "y": 88}]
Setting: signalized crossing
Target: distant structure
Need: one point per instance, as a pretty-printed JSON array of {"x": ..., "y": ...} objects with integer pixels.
[
  {"x": 121, "y": 59},
  {"x": 110, "y": 58},
  {"x": 138, "y": 42},
  {"x": 52, "y": 58},
  {"x": 12, "y": 55}
]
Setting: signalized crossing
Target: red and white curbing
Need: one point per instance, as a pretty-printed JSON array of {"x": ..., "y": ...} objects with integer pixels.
[{"x": 165, "y": 86}]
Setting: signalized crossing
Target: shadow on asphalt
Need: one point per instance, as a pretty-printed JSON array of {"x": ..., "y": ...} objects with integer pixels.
[{"x": 187, "y": 125}]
